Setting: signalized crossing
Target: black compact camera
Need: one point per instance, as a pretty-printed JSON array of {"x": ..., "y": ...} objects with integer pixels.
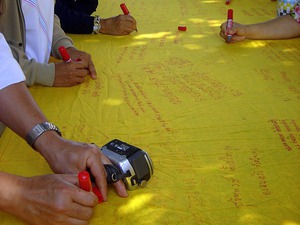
[{"x": 131, "y": 164}]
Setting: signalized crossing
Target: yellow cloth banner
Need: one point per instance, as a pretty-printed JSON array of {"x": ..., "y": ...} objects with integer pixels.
[{"x": 220, "y": 121}]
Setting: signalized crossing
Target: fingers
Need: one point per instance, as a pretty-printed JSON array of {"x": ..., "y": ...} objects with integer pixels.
[
  {"x": 102, "y": 184},
  {"x": 91, "y": 68},
  {"x": 129, "y": 24},
  {"x": 237, "y": 32},
  {"x": 119, "y": 185},
  {"x": 79, "y": 211},
  {"x": 94, "y": 163},
  {"x": 121, "y": 189},
  {"x": 85, "y": 198},
  {"x": 79, "y": 196},
  {"x": 118, "y": 25},
  {"x": 54, "y": 199},
  {"x": 223, "y": 30},
  {"x": 75, "y": 221},
  {"x": 70, "y": 74},
  {"x": 84, "y": 58},
  {"x": 100, "y": 179},
  {"x": 129, "y": 29}
]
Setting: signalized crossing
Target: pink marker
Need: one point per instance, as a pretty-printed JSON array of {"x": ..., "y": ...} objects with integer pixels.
[
  {"x": 64, "y": 54},
  {"x": 229, "y": 23}
]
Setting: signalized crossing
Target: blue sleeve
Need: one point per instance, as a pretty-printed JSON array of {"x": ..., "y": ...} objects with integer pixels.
[{"x": 74, "y": 21}]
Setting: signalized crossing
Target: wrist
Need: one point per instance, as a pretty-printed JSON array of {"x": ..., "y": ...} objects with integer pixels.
[
  {"x": 46, "y": 143},
  {"x": 38, "y": 130},
  {"x": 246, "y": 31},
  {"x": 107, "y": 25}
]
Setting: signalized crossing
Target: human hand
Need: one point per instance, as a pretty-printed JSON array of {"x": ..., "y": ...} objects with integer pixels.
[
  {"x": 119, "y": 25},
  {"x": 85, "y": 58},
  {"x": 237, "y": 31},
  {"x": 49, "y": 200},
  {"x": 69, "y": 74},
  {"x": 69, "y": 157}
]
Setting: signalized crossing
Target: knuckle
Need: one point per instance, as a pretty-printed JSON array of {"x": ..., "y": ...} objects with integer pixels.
[
  {"x": 95, "y": 150},
  {"x": 59, "y": 206}
]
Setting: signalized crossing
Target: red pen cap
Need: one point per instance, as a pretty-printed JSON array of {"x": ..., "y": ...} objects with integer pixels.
[
  {"x": 64, "y": 54},
  {"x": 182, "y": 28},
  {"x": 124, "y": 9},
  {"x": 84, "y": 181},
  {"x": 230, "y": 14}
]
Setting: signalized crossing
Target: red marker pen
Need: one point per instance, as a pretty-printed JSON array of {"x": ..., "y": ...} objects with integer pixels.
[
  {"x": 125, "y": 10},
  {"x": 86, "y": 184},
  {"x": 227, "y": 2},
  {"x": 64, "y": 54},
  {"x": 84, "y": 181},
  {"x": 229, "y": 23}
]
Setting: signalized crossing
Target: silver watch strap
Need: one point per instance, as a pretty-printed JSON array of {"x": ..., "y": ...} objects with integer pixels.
[{"x": 38, "y": 130}]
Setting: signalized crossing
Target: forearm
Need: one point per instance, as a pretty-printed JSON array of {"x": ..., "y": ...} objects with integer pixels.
[
  {"x": 35, "y": 72},
  {"x": 282, "y": 27},
  {"x": 18, "y": 109},
  {"x": 10, "y": 187}
]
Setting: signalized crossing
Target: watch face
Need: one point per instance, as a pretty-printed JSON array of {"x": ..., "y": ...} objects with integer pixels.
[{"x": 95, "y": 28}]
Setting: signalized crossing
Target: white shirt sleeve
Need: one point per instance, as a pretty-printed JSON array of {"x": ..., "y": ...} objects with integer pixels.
[{"x": 10, "y": 71}]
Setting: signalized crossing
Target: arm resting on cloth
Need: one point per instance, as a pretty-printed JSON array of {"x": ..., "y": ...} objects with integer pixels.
[{"x": 283, "y": 27}]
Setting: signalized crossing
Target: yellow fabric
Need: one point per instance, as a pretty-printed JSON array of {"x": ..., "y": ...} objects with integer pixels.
[{"x": 220, "y": 121}]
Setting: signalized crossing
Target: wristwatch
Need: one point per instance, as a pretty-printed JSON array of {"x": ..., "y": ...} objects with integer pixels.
[
  {"x": 97, "y": 25},
  {"x": 38, "y": 130}
]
